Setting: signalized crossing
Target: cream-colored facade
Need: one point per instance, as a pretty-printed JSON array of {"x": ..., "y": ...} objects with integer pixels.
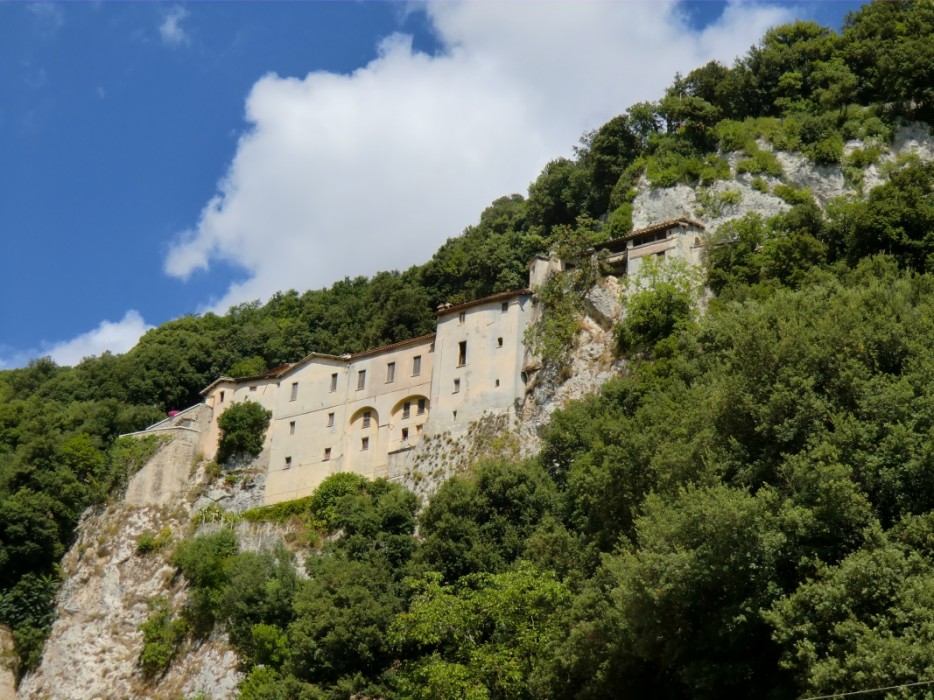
[{"x": 360, "y": 413}]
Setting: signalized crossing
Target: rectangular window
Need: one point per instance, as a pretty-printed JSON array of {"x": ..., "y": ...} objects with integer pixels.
[
  {"x": 334, "y": 382},
  {"x": 505, "y": 306},
  {"x": 222, "y": 397},
  {"x": 419, "y": 429},
  {"x": 406, "y": 410},
  {"x": 416, "y": 365},
  {"x": 330, "y": 420},
  {"x": 462, "y": 353},
  {"x": 327, "y": 453},
  {"x": 421, "y": 406},
  {"x": 291, "y": 427},
  {"x": 499, "y": 342},
  {"x": 405, "y": 435},
  {"x": 252, "y": 388},
  {"x": 288, "y": 462},
  {"x": 294, "y": 391},
  {"x": 391, "y": 372},
  {"x": 365, "y": 443},
  {"x": 361, "y": 379},
  {"x": 457, "y": 385},
  {"x": 366, "y": 419},
  {"x": 461, "y": 316}
]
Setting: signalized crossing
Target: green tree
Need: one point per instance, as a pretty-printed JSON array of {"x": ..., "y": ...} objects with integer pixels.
[
  {"x": 487, "y": 637},
  {"x": 243, "y": 429}
]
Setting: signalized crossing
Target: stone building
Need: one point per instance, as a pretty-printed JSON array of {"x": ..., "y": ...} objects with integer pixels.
[
  {"x": 361, "y": 413},
  {"x": 366, "y": 412},
  {"x": 676, "y": 239}
]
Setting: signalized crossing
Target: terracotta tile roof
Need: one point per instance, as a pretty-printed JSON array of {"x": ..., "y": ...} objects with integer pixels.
[
  {"x": 393, "y": 346},
  {"x": 485, "y": 300}
]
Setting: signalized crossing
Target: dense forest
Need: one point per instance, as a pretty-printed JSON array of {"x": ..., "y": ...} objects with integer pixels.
[{"x": 747, "y": 510}]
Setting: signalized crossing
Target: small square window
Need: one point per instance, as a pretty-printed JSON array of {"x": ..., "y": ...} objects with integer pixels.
[
  {"x": 391, "y": 372},
  {"x": 365, "y": 443},
  {"x": 505, "y": 306},
  {"x": 327, "y": 453},
  {"x": 366, "y": 419},
  {"x": 419, "y": 429},
  {"x": 499, "y": 342},
  {"x": 334, "y": 382},
  {"x": 416, "y": 365},
  {"x": 457, "y": 386},
  {"x": 421, "y": 406},
  {"x": 361, "y": 379},
  {"x": 291, "y": 427},
  {"x": 330, "y": 420},
  {"x": 294, "y": 391},
  {"x": 288, "y": 462},
  {"x": 406, "y": 410},
  {"x": 252, "y": 388}
]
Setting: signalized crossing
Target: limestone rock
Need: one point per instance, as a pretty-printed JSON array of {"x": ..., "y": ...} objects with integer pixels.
[
  {"x": 7, "y": 665},
  {"x": 603, "y": 302}
]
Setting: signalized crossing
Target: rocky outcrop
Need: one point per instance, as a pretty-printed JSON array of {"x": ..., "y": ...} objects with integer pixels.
[
  {"x": 8, "y": 664},
  {"x": 592, "y": 362},
  {"x": 826, "y": 183},
  {"x": 95, "y": 644}
]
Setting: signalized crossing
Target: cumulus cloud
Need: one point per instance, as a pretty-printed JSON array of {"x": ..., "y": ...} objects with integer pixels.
[
  {"x": 349, "y": 174},
  {"x": 171, "y": 29},
  {"x": 116, "y": 337}
]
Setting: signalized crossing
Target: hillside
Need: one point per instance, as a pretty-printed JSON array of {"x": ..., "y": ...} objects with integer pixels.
[{"x": 743, "y": 508}]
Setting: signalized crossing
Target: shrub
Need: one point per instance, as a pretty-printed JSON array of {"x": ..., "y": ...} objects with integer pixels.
[
  {"x": 663, "y": 299},
  {"x": 204, "y": 562},
  {"x": 161, "y": 637},
  {"x": 759, "y": 161},
  {"x": 243, "y": 428},
  {"x": 150, "y": 541},
  {"x": 793, "y": 195},
  {"x": 827, "y": 151},
  {"x": 714, "y": 203},
  {"x": 620, "y": 221}
]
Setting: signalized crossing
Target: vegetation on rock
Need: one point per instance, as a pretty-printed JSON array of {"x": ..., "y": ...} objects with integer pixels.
[{"x": 746, "y": 511}]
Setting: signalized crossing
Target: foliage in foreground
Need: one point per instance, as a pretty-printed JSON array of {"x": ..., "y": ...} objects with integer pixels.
[{"x": 746, "y": 512}]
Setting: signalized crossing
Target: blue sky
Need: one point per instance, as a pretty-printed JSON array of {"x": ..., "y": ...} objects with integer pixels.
[{"x": 158, "y": 159}]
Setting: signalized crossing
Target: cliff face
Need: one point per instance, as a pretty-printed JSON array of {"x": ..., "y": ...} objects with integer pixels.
[
  {"x": 95, "y": 643},
  {"x": 826, "y": 182}
]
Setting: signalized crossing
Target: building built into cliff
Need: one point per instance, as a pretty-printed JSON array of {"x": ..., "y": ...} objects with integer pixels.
[
  {"x": 365, "y": 412},
  {"x": 360, "y": 413}
]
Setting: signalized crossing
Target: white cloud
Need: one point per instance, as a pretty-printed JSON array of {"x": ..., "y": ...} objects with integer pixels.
[
  {"x": 116, "y": 337},
  {"x": 50, "y": 17},
  {"x": 171, "y": 29},
  {"x": 349, "y": 174}
]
